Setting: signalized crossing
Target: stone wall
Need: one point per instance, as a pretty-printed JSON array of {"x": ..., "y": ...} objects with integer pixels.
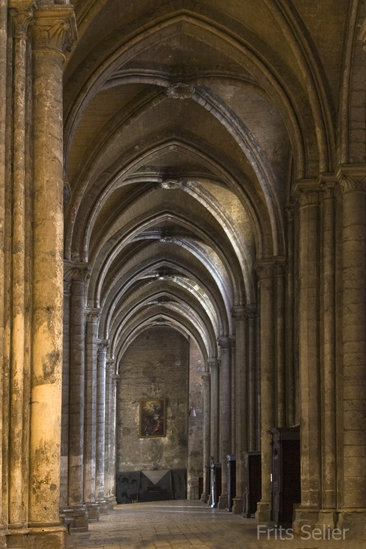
[{"x": 156, "y": 365}]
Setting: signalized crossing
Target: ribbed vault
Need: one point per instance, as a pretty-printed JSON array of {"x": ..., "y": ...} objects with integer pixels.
[{"x": 182, "y": 130}]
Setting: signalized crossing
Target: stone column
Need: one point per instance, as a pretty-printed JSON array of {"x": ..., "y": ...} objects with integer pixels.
[
  {"x": 101, "y": 426},
  {"x": 214, "y": 416},
  {"x": 65, "y": 401},
  {"x": 21, "y": 17},
  {"x": 252, "y": 390},
  {"x": 214, "y": 441},
  {"x": 54, "y": 29},
  {"x": 309, "y": 356},
  {"x": 265, "y": 272},
  {"x": 112, "y": 458},
  {"x": 3, "y": 170},
  {"x": 233, "y": 392},
  {"x": 206, "y": 377},
  {"x": 258, "y": 383},
  {"x": 241, "y": 394},
  {"x": 109, "y": 472},
  {"x": 353, "y": 513},
  {"x": 90, "y": 435},
  {"x": 289, "y": 315},
  {"x": 280, "y": 394},
  {"x": 225, "y": 415},
  {"x": 328, "y": 515},
  {"x": 78, "y": 274}
]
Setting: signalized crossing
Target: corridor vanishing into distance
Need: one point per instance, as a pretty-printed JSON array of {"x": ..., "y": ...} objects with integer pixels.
[{"x": 182, "y": 273}]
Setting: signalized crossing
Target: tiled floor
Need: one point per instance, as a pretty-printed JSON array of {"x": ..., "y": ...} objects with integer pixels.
[{"x": 186, "y": 525}]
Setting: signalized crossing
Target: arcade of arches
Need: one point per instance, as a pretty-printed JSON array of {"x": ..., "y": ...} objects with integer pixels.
[{"x": 182, "y": 217}]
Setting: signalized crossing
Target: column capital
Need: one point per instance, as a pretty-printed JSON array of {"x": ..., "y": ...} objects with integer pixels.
[
  {"x": 290, "y": 210},
  {"x": 213, "y": 363},
  {"x": 352, "y": 178},
  {"x": 66, "y": 191},
  {"x": 238, "y": 312},
  {"x": 102, "y": 345},
  {"x": 224, "y": 341},
  {"x": 21, "y": 12},
  {"x": 92, "y": 315},
  {"x": 328, "y": 189},
  {"x": 264, "y": 268},
  {"x": 76, "y": 271},
  {"x": 67, "y": 287},
  {"x": 55, "y": 28},
  {"x": 111, "y": 367},
  {"x": 251, "y": 311},
  {"x": 280, "y": 265},
  {"x": 306, "y": 192}
]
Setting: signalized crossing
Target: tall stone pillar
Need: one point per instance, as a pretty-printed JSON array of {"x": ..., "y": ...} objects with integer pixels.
[
  {"x": 353, "y": 513},
  {"x": 265, "y": 272},
  {"x": 101, "y": 426},
  {"x": 289, "y": 316},
  {"x": 206, "y": 377},
  {"x": 252, "y": 389},
  {"x": 3, "y": 173},
  {"x": 233, "y": 392},
  {"x": 280, "y": 394},
  {"x": 109, "y": 473},
  {"x": 309, "y": 356},
  {"x": 78, "y": 274},
  {"x": 328, "y": 515},
  {"x": 225, "y": 415},
  {"x": 113, "y": 422},
  {"x": 90, "y": 435},
  {"x": 64, "y": 466},
  {"x": 19, "y": 396},
  {"x": 214, "y": 413},
  {"x": 54, "y": 30},
  {"x": 214, "y": 440},
  {"x": 241, "y": 396}
]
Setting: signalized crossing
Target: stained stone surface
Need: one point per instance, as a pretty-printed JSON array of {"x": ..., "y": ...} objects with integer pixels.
[{"x": 154, "y": 366}]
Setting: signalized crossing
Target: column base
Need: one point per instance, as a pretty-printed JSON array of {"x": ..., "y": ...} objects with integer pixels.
[
  {"x": 263, "y": 513},
  {"x": 47, "y": 537},
  {"x": 223, "y": 500},
  {"x": 103, "y": 507},
  {"x": 204, "y": 497},
  {"x": 111, "y": 502},
  {"x": 93, "y": 511},
  {"x": 67, "y": 517},
  {"x": 17, "y": 538},
  {"x": 209, "y": 500},
  {"x": 80, "y": 523},
  {"x": 305, "y": 517},
  {"x": 352, "y": 523},
  {"x": 327, "y": 518},
  {"x": 237, "y": 508}
]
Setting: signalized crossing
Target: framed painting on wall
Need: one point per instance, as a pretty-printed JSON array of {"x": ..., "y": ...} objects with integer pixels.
[{"x": 152, "y": 417}]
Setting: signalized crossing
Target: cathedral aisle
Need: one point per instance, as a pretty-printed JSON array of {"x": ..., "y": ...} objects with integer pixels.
[{"x": 183, "y": 525}]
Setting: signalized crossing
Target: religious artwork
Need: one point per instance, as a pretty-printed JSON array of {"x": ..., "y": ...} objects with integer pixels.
[{"x": 152, "y": 417}]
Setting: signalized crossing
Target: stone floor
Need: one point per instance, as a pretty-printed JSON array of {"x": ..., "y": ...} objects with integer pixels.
[{"x": 187, "y": 525}]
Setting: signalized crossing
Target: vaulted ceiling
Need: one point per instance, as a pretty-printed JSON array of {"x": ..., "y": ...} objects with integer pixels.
[{"x": 185, "y": 124}]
